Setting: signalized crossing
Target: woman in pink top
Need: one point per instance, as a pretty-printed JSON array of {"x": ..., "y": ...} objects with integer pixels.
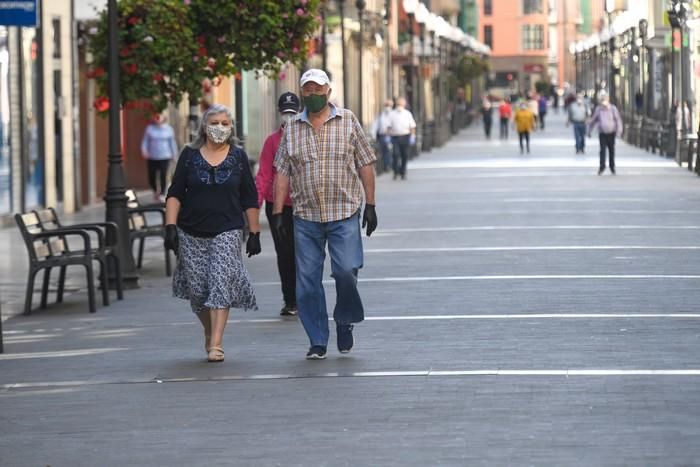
[{"x": 288, "y": 107}]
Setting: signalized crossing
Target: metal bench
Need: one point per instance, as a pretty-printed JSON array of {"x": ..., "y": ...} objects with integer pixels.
[
  {"x": 107, "y": 249},
  {"x": 140, "y": 229},
  {"x": 48, "y": 250}
]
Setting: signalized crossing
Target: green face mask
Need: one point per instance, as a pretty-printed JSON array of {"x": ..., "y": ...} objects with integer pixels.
[{"x": 315, "y": 102}]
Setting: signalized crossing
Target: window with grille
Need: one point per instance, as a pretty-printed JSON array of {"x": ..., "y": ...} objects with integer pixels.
[
  {"x": 488, "y": 7},
  {"x": 533, "y": 37},
  {"x": 532, "y": 6}
]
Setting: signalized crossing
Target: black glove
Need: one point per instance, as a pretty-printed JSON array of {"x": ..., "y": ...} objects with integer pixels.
[
  {"x": 170, "y": 240},
  {"x": 252, "y": 246},
  {"x": 369, "y": 219},
  {"x": 278, "y": 225}
]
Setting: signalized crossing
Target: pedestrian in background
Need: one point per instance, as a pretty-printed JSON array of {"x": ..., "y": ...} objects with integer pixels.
[
  {"x": 487, "y": 116},
  {"x": 380, "y": 131},
  {"x": 542, "y": 109},
  {"x": 505, "y": 112},
  {"x": 158, "y": 147},
  {"x": 211, "y": 196},
  {"x": 577, "y": 114},
  {"x": 326, "y": 156},
  {"x": 287, "y": 107},
  {"x": 607, "y": 118},
  {"x": 402, "y": 127},
  {"x": 534, "y": 105},
  {"x": 524, "y": 121}
]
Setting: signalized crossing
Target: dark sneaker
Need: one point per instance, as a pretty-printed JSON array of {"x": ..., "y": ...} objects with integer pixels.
[
  {"x": 600, "y": 172},
  {"x": 612, "y": 170},
  {"x": 288, "y": 310},
  {"x": 344, "y": 337},
  {"x": 316, "y": 352}
]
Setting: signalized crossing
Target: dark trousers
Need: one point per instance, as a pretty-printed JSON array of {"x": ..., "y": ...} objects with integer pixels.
[
  {"x": 524, "y": 136},
  {"x": 487, "y": 126},
  {"x": 607, "y": 141},
  {"x": 158, "y": 169},
  {"x": 542, "y": 115},
  {"x": 504, "y": 127},
  {"x": 401, "y": 148},
  {"x": 284, "y": 247},
  {"x": 580, "y": 135}
]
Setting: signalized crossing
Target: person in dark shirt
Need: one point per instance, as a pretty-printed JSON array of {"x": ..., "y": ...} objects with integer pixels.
[{"x": 211, "y": 196}]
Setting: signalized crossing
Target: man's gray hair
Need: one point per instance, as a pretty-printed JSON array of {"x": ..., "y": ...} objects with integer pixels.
[{"x": 201, "y": 137}]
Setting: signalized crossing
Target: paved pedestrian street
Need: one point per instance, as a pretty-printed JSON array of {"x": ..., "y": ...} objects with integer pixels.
[{"x": 521, "y": 310}]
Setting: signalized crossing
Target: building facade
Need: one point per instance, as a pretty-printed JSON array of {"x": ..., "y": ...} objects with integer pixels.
[
  {"x": 38, "y": 148},
  {"x": 517, "y": 33}
]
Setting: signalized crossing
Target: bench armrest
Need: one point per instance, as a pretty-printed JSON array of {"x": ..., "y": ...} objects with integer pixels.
[{"x": 66, "y": 232}]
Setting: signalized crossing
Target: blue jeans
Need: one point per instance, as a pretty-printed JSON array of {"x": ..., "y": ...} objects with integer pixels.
[
  {"x": 580, "y": 135},
  {"x": 345, "y": 248},
  {"x": 386, "y": 151}
]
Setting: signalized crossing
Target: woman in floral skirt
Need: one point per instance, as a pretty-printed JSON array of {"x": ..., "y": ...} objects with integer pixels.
[{"x": 212, "y": 195}]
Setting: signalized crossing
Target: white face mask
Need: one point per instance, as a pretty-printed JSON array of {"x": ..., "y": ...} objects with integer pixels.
[
  {"x": 218, "y": 133},
  {"x": 287, "y": 117}
]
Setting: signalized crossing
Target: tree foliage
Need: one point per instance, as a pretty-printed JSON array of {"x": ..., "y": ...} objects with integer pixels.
[
  {"x": 169, "y": 47},
  {"x": 469, "y": 68}
]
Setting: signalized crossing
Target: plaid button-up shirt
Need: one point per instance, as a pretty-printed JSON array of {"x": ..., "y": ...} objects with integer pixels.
[{"x": 323, "y": 165}]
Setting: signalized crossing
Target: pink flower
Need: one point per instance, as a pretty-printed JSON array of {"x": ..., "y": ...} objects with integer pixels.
[
  {"x": 187, "y": 2},
  {"x": 195, "y": 58},
  {"x": 280, "y": 54},
  {"x": 221, "y": 39},
  {"x": 304, "y": 2},
  {"x": 285, "y": 15},
  {"x": 300, "y": 12},
  {"x": 211, "y": 63},
  {"x": 283, "y": 75},
  {"x": 295, "y": 50}
]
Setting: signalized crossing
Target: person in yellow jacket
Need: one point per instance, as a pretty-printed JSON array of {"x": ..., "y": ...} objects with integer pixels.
[{"x": 524, "y": 121}]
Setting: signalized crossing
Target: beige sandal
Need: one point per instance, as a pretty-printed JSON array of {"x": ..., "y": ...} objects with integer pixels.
[{"x": 216, "y": 354}]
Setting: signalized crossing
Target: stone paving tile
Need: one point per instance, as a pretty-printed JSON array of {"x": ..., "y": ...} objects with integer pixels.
[{"x": 79, "y": 389}]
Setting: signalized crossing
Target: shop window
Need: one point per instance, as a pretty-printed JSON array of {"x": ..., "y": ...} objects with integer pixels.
[
  {"x": 32, "y": 157},
  {"x": 5, "y": 154}
]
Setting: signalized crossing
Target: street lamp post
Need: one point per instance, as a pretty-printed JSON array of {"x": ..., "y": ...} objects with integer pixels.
[
  {"x": 115, "y": 197},
  {"x": 360, "y": 4},
  {"x": 678, "y": 15},
  {"x": 341, "y": 9},
  {"x": 324, "y": 36},
  {"x": 643, "y": 25},
  {"x": 421, "y": 15},
  {"x": 410, "y": 7}
]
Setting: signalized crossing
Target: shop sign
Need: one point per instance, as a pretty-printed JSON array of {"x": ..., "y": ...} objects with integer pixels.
[
  {"x": 18, "y": 13},
  {"x": 533, "y": 68}
]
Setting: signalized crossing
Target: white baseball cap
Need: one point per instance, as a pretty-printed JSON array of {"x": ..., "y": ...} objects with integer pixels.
[{"x": 315, "y": 75}]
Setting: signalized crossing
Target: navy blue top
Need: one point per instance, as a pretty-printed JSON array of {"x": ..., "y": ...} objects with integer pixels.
[{"x": 213, "y": 198}]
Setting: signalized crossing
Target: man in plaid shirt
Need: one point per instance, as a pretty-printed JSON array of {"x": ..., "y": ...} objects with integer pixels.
[{"x": 329, "y": 162}]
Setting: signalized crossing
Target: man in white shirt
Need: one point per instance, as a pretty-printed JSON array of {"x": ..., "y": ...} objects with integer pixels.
[
  {"x": 402, "y": 128},
  {"x": 380, "y": 131}
]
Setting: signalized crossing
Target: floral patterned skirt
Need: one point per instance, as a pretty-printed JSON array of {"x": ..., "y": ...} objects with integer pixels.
[{"x": 210, "y": 272}]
